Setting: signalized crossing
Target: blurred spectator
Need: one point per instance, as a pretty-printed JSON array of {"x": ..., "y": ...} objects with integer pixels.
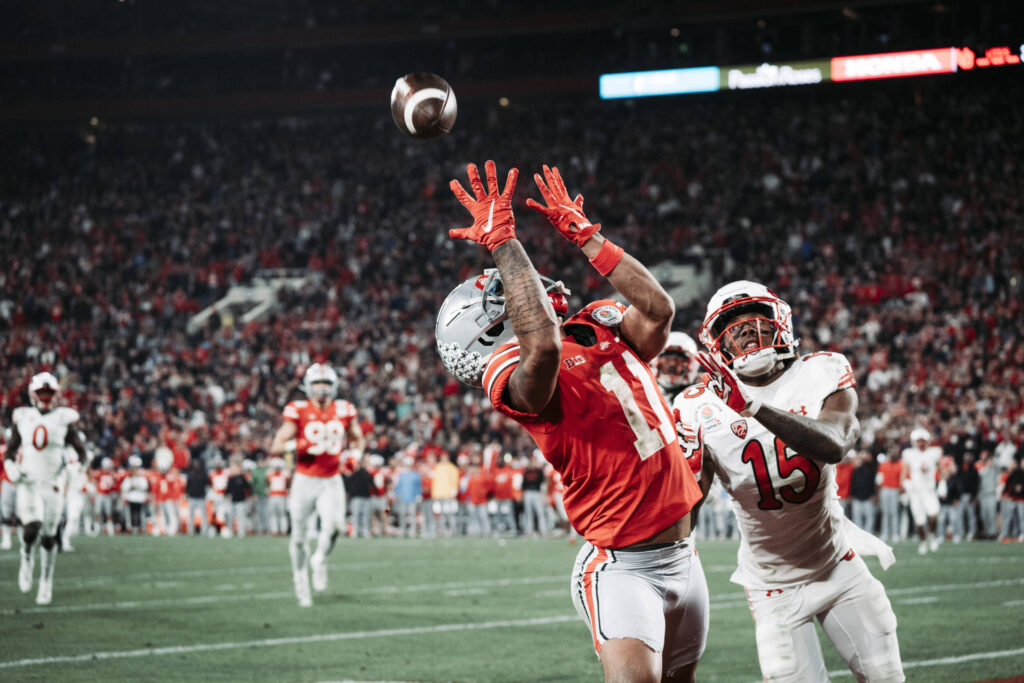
[
  {"x": 135, "y": 490},
  {"x": 535, "y": 516},
  {"x": 988, "y": 498},
  {"x": 277, "y": 488},
  {"x": 358, "y": 486},
  {"x": 478, "y": 488},
  {"x": 948, "y": 488},
  {"x": 444, "y": 489},
  {"x": 969, "y": 483},
  {"x": 863, "y": 491},
  {"x": 196, "y": 486},
  {"x": 1012, "y": 505},
  {"x": 408, "y": 492},
  {"x": 889, "y": 489}
]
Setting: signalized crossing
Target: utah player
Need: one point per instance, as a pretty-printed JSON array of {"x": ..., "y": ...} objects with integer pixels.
[
  {"x": 41, "y": 432},
  {"x": 676, "y": 366},
  {"x": 772, "y": 426},
  {"x": 920, "y": 465},
  {"x": 322, "y": 428},
  {"x": 636, "y": 582}
]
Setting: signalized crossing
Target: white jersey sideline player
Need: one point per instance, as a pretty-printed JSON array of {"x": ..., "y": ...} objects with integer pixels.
[
  {"x": 36, "y": 457},
  {"x": 920, "y": 464},
  {"x": 772, "y": 426},
  {"x": 321, "y": 427}
]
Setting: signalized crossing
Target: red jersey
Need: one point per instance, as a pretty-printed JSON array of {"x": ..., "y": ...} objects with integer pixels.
[
  {"x": 608, "y": 432},
  {"x": 503, "y": 480},
  {"x": 219, "y": 481},
  {"x": 105, "y": 483},
  {"x": 478, "y": 488},
  {"x": 175, "y": 487},
  {"x": 844, "y": 472},
  {"x": 890, "y": 471},
  {"x": 321, "y": 435},
  {"x": 277, "y": 482}
]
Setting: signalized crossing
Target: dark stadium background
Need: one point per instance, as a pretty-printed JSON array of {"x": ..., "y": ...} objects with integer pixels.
[{"x": 157, "y": 154}]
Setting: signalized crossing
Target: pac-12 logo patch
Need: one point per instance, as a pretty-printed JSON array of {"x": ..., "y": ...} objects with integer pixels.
[
  {"x": 609, "y": 316},
  {"x": 739, "y": 428}
]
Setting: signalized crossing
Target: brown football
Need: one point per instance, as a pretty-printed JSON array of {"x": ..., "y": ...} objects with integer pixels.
[{"x": 423, "y": 105}]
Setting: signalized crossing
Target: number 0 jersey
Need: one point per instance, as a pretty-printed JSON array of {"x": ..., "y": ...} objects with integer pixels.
[
  {"x": 791, "y": 529},
  {"x": 607, "y": 432},
  {"x": 42, "y": 453},
  {"x": 326, "y": 432}
]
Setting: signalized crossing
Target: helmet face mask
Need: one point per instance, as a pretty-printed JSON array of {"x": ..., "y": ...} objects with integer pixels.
[
  {"x": 676, "y": 366},
  {"x": 43, "y": 390},
  {"x": 320, "y": 382},
  {"x": 472, "y": 322},
  {"x": 749, "y": 328}
]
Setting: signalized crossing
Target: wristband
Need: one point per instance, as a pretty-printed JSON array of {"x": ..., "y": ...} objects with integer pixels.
[{"x": 607, "y": 258}]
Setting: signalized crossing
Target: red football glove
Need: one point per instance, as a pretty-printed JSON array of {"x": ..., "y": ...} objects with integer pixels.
[
  {"x": 493, "y": 221},
  {"x": 563, "y": 213},
  {"x": 728, "y": 386}
]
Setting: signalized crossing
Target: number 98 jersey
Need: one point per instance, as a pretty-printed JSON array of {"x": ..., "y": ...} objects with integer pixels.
[
  {"x": 43, "y": 453},
  {"x": 608, "y": 433},
  {"x": 321, "y": 435},
  {"x": 784, "y": 502}
]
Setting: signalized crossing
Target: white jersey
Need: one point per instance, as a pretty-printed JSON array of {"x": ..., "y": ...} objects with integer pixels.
[
  {"x": 922, "y": 465},
  {"x": 43, "y": 453},
  {"x": 790, "y": 525}
]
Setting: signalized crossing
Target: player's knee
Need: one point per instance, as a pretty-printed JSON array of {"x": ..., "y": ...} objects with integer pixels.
[
  {"x": 30, "y": 532},
  {"x": 48, "y": 542}
]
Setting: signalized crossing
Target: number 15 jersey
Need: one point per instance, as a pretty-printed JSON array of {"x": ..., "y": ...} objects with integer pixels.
[
  {"x": 607, "y": 432},
  {"x": 785, "y": 503}
]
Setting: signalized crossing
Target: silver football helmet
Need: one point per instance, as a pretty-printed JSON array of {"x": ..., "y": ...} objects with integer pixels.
[
  {"x": 774, "y": 340},
  {"x": 43, "y": 390},
  {"x": 320, "y": 382},
  {"x": 473, "y": 322}
]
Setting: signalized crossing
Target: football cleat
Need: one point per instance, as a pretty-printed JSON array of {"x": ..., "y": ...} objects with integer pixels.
[
  {"x": 922, "y": 549},
  {"x": 302, "y": 594},
  {"x": 45, "y": 595},
  {"x": 319, "y": 566}
]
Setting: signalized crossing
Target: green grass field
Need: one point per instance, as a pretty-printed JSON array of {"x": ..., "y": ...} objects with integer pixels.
[{"x": 201, "y": 609}]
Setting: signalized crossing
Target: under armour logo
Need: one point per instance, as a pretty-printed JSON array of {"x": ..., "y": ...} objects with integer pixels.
[{"x": 801, "y": 411}]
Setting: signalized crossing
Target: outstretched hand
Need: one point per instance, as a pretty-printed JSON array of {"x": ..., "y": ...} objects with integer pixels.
[
  {"x": 493, "y": 220},
  {"x": 565, "y": 214},
  {"x": 728, "y": 386}
]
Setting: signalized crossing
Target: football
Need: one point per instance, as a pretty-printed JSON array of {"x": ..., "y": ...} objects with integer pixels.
[{"x": 423, "y": 105}]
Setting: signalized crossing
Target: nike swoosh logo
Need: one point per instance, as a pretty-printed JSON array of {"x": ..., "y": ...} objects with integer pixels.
[{"x": 490, "y": 218}]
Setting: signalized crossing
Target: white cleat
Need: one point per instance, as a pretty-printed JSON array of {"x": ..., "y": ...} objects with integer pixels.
[
  {"x": 45, "y": 595},
  {"x": 25, "y": 573},
  {"x": 934, "y": 545},
  {"x": 319, "y": 567},
  {"x": 302, "y": 594},
  {"x": 923, "y": 548},
  {"x": 5, "y": 544}
]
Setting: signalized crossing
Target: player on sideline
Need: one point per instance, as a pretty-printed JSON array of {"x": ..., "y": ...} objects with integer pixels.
[
  {"x": 41, "y": 432},
  {"x": 636, "y": 582},
  {"x": 322, "y": 428},
  {"x": 920, "y": 463},
  {"x": 772, "y": 426}
]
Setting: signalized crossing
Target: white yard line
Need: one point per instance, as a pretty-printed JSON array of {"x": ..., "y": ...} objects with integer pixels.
[
  {"x": 271, "y": 642},
  {"x": 942, "y": 661}
]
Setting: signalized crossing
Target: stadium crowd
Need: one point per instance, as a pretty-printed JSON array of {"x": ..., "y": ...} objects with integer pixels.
[{"x": 884, "y": 214}]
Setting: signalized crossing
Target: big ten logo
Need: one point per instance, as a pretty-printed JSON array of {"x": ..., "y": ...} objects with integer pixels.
[{"x": 324, "y": 437}]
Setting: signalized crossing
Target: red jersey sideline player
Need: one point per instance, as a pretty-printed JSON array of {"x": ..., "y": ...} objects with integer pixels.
[{"x": 584, "y": 391}]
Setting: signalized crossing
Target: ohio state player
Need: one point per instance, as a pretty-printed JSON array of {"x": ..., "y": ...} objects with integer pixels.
[
  {"x": 772, "y": 426},
  {"x": 42, "y": 432},
  {"x": 584, "y": 391},
  {"x": 322, "y": 428}
]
